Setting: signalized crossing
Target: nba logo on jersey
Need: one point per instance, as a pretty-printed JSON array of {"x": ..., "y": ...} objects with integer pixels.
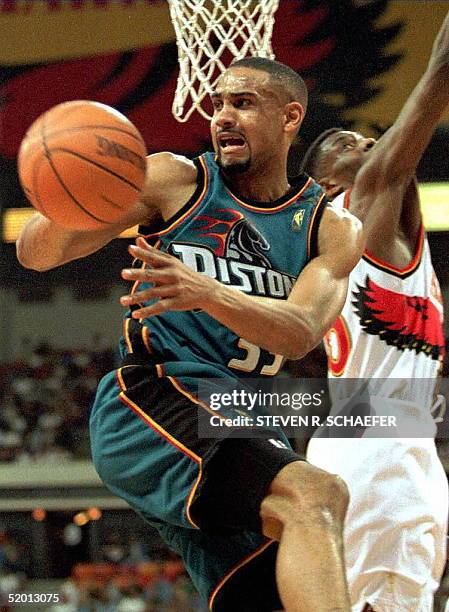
[{"x": 297, "y": 220}]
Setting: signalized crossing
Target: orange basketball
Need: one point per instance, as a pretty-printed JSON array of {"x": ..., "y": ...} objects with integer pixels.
[{"x": 82, "y": 164}]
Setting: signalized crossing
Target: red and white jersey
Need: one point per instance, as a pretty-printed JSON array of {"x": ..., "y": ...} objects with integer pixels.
[{"x": 391, "y": 327}]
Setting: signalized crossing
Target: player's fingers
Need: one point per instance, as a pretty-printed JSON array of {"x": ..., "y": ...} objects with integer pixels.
[
  {"x": 140, "y": 241},
  {"x": 150, "y": 255},
  {"x": 157, "y": 308},
  {"x": 152, "y": 275},
  {"x": 149, "y": 294},
  {"x": 163, "y": 291},
  {"x": 145, "y": 246}
]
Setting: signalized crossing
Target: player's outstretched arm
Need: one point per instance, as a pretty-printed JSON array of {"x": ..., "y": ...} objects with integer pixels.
[
  {"x": 290, "y": 328},
  {"x": 385, "y": 182},
  {"x": 170, "y": 181},
  {"x": 43, "y": 245}
]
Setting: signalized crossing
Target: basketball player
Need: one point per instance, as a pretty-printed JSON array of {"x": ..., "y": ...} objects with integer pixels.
[
  {"x": 218, "y": 297},
  {"x": 390, "y": 328}
]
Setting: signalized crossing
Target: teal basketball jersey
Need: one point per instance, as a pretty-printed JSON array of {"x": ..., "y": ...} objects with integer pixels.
[{"x": 259, "y": 248}]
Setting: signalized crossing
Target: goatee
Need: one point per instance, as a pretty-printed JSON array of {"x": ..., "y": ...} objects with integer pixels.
[{"x": 233, "y": 169}]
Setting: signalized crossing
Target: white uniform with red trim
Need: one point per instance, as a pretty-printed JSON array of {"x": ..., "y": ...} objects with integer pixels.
[{"x": 390, "y": 330}]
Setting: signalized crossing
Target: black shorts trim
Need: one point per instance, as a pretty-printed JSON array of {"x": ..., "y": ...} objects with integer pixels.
[
  {"x": 314, "y": 226},
  {"x": 250, "y": 586},
  {"x": 156, "y": 397},
  {"x": 236, "y": 482}
]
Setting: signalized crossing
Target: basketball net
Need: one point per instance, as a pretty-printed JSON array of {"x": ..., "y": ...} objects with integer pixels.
[{"x": 209, "y": 33}]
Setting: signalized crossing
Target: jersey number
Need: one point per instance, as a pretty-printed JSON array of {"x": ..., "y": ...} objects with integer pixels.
[
  {"x": 338, "y": 346},
  {"x": 249, "y": 364}
]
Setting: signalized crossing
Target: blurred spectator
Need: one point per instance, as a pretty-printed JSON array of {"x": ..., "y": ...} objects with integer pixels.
[
  {"x": 132, "y": 600},
  {"x": 46, "y": 397},
  {"x": 137, "y": 552},
  {"x": 13, "y": 566},
  {"x": 122, "y": 588},
  {"x": 113, "y": 551},
  {"x": 97, "y": 600},
  {"x": 13, "y": 556}
]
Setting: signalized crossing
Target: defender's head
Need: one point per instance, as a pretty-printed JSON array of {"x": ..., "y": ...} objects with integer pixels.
[
  {"x": 259, "y": 105},
  {"x": 335, "y": 157}
]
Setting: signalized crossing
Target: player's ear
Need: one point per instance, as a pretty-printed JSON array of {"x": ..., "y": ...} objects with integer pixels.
[
  {"x": 294, "y": 116},
  {"x": 331, "y": 189}
]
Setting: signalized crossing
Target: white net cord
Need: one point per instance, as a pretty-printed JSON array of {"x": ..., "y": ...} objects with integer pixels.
[{"x": 208, "y": 31}]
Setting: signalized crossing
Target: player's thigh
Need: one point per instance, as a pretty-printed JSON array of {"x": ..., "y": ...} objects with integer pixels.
[
  {"x": 145, "y": 445},
  {"x": 146, "y": 448}
]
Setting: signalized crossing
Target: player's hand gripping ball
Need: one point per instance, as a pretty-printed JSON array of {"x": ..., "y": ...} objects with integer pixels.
[{"x": 82, "y": 164}]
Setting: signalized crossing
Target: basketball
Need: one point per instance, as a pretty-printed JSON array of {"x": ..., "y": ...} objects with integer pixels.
[{"x": 82, "y": 164}]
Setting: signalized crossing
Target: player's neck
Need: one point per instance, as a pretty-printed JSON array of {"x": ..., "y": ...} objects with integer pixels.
[{"x": 259, "y": 186}]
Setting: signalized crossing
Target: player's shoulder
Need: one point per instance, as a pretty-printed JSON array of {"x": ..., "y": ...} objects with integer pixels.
[
  {"x": 339, "y": 218},
  {"x": 171, "y": 168},
  {"x": 341, "y": 200},
  {"x": 170, "y": 181},
  {"x": 341, "y": 233}
]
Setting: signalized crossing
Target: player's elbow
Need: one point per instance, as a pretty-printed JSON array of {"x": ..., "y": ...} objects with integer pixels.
[
  {"x": 298, "y": 332},
  {"x": 299, "y": 344},
  {"x": 22, "y": 254},
  {"x": 27, "y": 259},
  {"x": 297, "y": 352}
]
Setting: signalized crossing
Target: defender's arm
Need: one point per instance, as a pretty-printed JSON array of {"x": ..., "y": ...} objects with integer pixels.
[{"x": 385, "y": 184}]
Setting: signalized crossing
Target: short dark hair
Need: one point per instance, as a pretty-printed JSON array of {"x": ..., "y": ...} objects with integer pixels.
[
  {"x": 289, "y": 80},
  {"x": 310, "y": 161}
]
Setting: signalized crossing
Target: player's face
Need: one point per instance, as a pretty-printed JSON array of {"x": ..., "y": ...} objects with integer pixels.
[
  {"x": 342, "y": 156},
  {"x": 246, "y": 126}
]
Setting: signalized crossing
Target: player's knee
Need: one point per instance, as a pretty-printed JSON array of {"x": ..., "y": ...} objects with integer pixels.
[
  {"x": 309, "y": 486},
  {"x": 302, "y": 493}
]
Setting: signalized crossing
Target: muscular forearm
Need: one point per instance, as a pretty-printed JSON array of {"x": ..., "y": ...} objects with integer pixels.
[
  {"x": 292, "y": 328},
  {"x": 274, "y": 325},
  {"x": 43, "y": 245}
]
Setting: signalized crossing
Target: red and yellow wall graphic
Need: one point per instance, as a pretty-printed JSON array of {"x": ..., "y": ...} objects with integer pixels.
[{"x": 359, "y": 58}]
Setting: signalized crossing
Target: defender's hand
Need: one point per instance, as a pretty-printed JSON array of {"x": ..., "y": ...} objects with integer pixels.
[{"x": 176, "y": 286}]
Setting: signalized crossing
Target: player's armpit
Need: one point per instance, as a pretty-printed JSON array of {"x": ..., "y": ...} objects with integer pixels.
[
  {"x": 169, "y": 183},
  {"x": 385, "y": 212}
]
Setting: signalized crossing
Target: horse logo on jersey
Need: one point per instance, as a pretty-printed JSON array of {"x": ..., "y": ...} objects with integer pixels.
[
  {"x": 246, "y": 243},
  {"x": 234, "y": 237},
  {"x": 407, "y": 322}
]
